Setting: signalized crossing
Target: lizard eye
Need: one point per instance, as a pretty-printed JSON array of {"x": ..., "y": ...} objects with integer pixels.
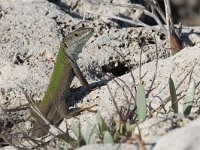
[{"x": 76, "y": 34}]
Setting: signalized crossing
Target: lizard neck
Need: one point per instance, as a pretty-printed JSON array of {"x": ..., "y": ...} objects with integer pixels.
[{"x": 74, "y": 51}]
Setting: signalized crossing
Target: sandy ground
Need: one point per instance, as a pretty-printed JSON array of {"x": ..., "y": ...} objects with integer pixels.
[{"x": 30, "y": 33}]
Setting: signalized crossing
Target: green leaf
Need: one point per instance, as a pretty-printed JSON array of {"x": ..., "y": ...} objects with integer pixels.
[
  {"x": 141, "y": 103},
  {"x": 68, "y": 139},
  {"x": 89, "y": 131},
  {"x": 173, "y": 95},
  {"x": 101, "y": 123},
  {"x": 108, "y": 139},
  {"x": 76, "y": 129},
  {"x": 96, "y": 131},
  {"x": 187, "y": 105},
  {"x": 57, "y": 145},
  {"x": 129, "y": 128},
  {"x": 116, "y": 118},
  {"x": 66, "y": 145}
]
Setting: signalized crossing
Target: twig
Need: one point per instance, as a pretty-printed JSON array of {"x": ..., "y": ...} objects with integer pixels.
[
  {"x": 11, "y": 120},
  {"x": 35, "y": 110},
  {"x": 133, "y": 78},
  {"x": 168, "y": 22},
  {"x": 148, "y": 13},
  {"x": 136, "y": 22},
  {"x": 167, "y": 99},
  {"x": 115, "y": 103},
  {"x": 155, "y": 73}
]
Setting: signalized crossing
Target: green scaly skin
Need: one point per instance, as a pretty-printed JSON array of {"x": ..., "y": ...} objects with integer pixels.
[{"x": 53, "y": 105}]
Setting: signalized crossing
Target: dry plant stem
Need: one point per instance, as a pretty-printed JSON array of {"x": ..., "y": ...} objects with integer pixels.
[
  {"x": 113, "y": 98},
  {"x": 121, "y": 86},
  {"x": 168, "y": 97},
  {"x": 168, "y": 23},
  {"x": 31, "y": 146},
  {"x": 133, "y": 78},
  {"x": 191, "y": 70},
  {"x": 170, "y": 108},
  {"x": 156, "y": 70},
  {"x": 113, "y": 78},
  {"x": 158, "y": 9},
  {"x": 188, "y": 83},
  {"x": 174, "y": 41},
  {"x": 137, "y": 22},
  {"x": 146, "y": 12},
  {"x": 24, "y": 134},
  {"x": 34, "y": 108},
  {"x": 169, "y": 13},
  {"x": 139, "y": 140},
  {"x": 10, "y": 143},
  {"x": 19, "y": 108},
  {"x": 133, "y": 97},
  {"x": 158, "y": 21}
]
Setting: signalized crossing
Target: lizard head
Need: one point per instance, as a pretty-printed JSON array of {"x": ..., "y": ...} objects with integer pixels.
[{"x": 75, "y": 41}]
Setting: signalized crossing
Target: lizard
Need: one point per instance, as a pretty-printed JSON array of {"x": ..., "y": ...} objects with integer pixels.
[{"x": 53, "y": 105}]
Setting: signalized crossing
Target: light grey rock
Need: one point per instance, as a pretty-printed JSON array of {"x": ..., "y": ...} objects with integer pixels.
[
  {"x": 186, "y": 138},
  {"x": 154, "y": 128},
  {"x": 109, "y": 147},
  {"x": 8, "y": 148}
]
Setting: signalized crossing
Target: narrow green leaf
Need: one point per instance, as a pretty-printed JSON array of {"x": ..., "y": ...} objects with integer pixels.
[
  {"x": 57, "y": 145},
  {"x": 116, "y": 136},
  {"x": 173, "y": 95},
  {"x": 108, "y": 139},
  {"x": 76, "y": 129},
  {"x": 66, "y": 146},
  {"x": 187, "y": 105},
  {"x": 96, "y": 131},
  {"x": 88, "y": 133},
  {"x": 68, "y": 139},
  {"x": 101, "y": 123},
  {"x": 116, "y": 118},
  {"x": 130, "y": 128},
  {"x": 141, "y": 103}
]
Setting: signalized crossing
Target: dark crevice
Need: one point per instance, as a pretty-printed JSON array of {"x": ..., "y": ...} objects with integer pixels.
[
  {"x": 18, "y": 60},
  {"x": 116, "y": 68}
]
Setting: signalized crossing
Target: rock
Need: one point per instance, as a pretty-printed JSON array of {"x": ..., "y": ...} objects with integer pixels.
[
  {"x": 184, "y": 138},
  {"x": 109, "y": 147},
  {"x": 8, "y": 148}
]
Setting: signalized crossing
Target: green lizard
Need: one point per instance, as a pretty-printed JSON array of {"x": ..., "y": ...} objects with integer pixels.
[{"x": 53, "y": 105}]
